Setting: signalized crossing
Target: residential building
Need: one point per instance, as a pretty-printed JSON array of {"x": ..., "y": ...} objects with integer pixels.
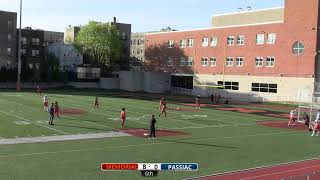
[
  {"x": 32, "y": 50},
  {"x": 124, "y": 33},
  {"x": 70, "y": 34},
  {"x": 69, "y": 57},
  {"x": 271, "y": 59},
  {"x": 137, "y": 48},
  {"x": 51, "y": 37},
  {"x": 137, "y": 55},
  {"x": 8, "y": 38}
]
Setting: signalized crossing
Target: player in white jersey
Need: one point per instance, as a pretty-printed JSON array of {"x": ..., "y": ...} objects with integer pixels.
[
  {"x": 293, "y": 118},
  {"x": 316, "y": 126},
  {"x": 45, "y": 103}
]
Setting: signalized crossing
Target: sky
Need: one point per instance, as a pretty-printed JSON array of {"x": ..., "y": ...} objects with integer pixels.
[{"x": 144, "y": 15}]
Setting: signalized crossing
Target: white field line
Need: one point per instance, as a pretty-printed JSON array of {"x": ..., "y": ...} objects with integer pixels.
[
  {"x": 32, "y": 122},
  {"x": 185, "y": 121},
  {"x": 253, "y": 169},
  {"x": 111, "y": 116},
  {"x": 215, "y": 119},
  {"x": 63, "y": 115},
  {"x": 227, "y": 115},
  {"x": 282, "y": 172},
  {"x": 137, "y": 145},
  {"x": 233, "y": 125},
  {"x": 55, "y": 138}
]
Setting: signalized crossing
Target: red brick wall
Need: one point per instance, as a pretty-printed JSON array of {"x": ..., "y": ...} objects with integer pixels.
[{"x": 301, "y": 18}]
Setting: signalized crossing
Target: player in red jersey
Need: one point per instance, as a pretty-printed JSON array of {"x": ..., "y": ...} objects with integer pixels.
[
  {"x": 45, "y": 103},
  {"x": 96, "y": 104},
  {"x": 161, "y": 102},
  {"x": 163, "y": 109},
  {"x": 56, "y": 109},
  {"x": 39, "y": 90},
  {"x": 293, "y": 118},
  {"x": 123, "y": 116},
  {"x": 198, "y": 102}
]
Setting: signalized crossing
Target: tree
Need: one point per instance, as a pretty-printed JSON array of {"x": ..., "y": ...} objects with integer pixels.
[{"x": 100, "y": 42}]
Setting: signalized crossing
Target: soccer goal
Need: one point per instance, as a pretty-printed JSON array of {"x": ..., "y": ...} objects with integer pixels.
[{"x": 309, "y": 109}]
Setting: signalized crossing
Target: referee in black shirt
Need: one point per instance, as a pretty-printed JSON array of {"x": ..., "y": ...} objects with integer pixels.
[{"x": 153, "y": 128}]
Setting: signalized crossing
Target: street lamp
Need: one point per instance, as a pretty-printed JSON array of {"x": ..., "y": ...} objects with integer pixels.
[{"x": 19, "y": 51}]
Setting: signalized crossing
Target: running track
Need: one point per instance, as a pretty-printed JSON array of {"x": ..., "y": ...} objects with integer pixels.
[{"x": 277, "y": 172}]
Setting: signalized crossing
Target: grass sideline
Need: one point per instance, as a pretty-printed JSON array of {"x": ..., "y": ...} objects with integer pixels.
[{"x": 217, "y": 141}]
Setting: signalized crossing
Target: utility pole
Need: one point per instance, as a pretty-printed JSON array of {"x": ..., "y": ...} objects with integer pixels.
[{"x": 19, "y": 51}]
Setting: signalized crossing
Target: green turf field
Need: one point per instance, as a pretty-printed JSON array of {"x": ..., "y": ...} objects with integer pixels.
[{"x": 219, "y": 141}]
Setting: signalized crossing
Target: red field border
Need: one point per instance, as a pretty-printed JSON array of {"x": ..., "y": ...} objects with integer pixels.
[{"x": 291, "y": 171}]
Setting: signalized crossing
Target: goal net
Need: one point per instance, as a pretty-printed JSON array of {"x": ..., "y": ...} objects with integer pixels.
[{"x": 309, "y": 110}]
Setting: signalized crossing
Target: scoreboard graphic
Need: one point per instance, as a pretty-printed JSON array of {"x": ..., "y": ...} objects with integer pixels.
[{"x": 149, "y": 169}]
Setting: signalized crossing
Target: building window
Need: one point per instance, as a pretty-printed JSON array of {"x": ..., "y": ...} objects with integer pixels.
[
  {"x": 259, "y": 61},
  {"x": 205, "y": 42},
  {"x": 124, "y": 36},
  {"x": 240, "y": 40},
  {"x": 37, "y": 66},
  {"x": 190, "y": 42},
  {"x": 36, "y": 53},
  {"x": 35, "y": 41},
  {"x": 270, "y": 61},
  {"x": 30, "y": 66},
  {"x": 10, "y": 25},
  {"x": 23, "y": 52},
  {"x": 214, "y": 41},
  {"x": 134, "y": 42},
  {"x": 229, "y": 61},
  {"x": 9, "y": 51},
  {"x": 263, "y": 87},
  {"x": 230, "y": 40},
  {"x": 139, "y": 42},
  {"x": 183, "y": 43},
  {"x": 228, "y": 85},
  {"x": 272, "y": 38},
  {"x": 182, "y": 61},
  {"x": 138, "y": 51},
  {"x": 213, "y": 61},
  {"x": 170, "y": 44},
  {"x": 260, "y": 39},
  {"x": 204, "y": 61},
  {"x": 9, "y": 37},
  {"x": 170, "y": 62},
  {"x": 239, "y": 62},
  {"x": 24, "y": 40},
  {"x": 132, "y": 51},
  {"x": 298, "y": 48},
  {"x": 190, "y": 61}
]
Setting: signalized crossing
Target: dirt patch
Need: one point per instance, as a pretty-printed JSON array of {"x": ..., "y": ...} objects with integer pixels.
[
  {"x": 183, "y": 109},
  {"x": 202, "y": 105},
  {"x": 143, "y": 133},
  {"x": 282, "y": 125},
  {"x": 72, "y": 111},
  {"x": 241, "y": 110}
]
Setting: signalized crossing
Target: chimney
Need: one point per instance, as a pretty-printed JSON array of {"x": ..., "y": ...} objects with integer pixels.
[{"x": 114, "y": 20}]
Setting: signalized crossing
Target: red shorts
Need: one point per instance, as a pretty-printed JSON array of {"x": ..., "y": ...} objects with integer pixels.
[
  {"x": 56, "y": 111},
  {"x": 45, "y": 104},
  {"x": 293, "y": 119},
  {"x": 317, "y": 126},
  {"x": 123, "y": 119}
]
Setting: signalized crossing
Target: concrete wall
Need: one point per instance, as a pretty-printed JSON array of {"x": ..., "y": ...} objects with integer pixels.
[
  {"x": 109, "y": 83},
  {"x": 289, "y": 88},
  {"x": 157, "y": 82},
  {"x": 131, "y": 80},
  {"x": 248, "y": 17}
]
